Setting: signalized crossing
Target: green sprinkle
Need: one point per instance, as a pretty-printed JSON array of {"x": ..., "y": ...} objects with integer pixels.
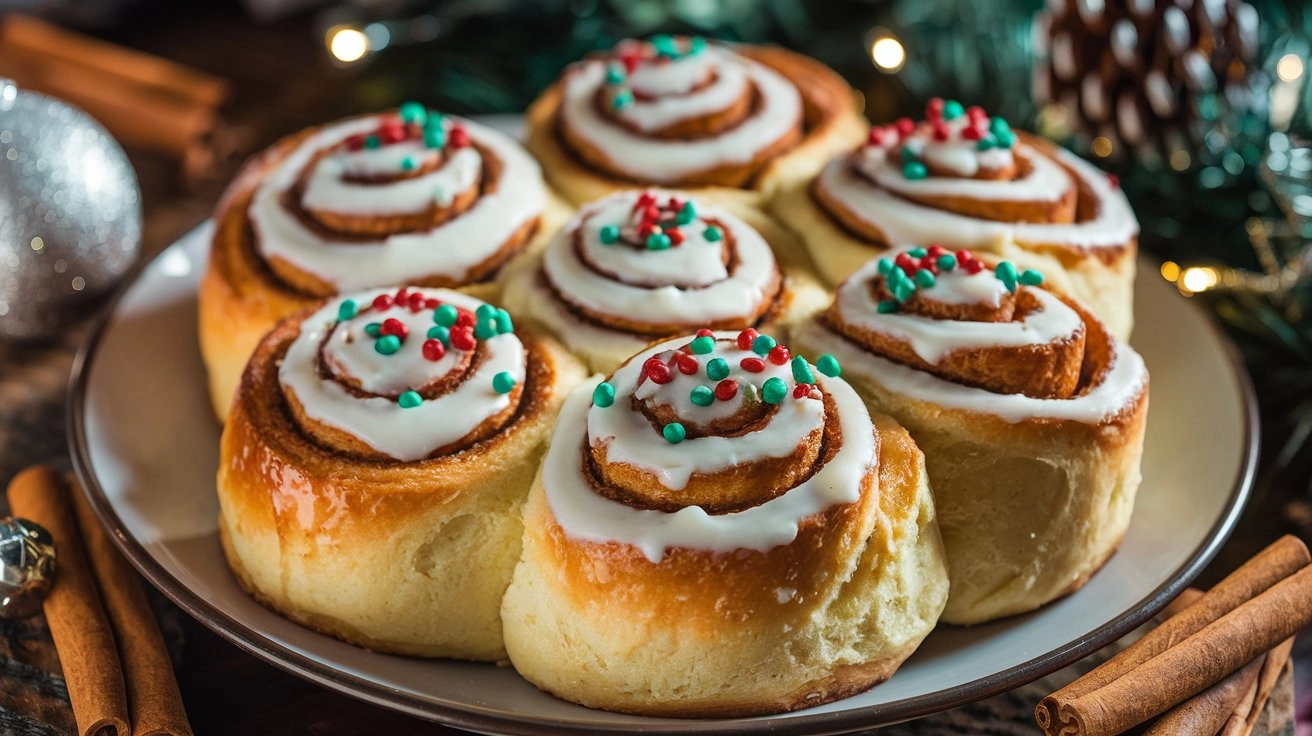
[
  {"x": 886, "y": 266},
  {"x": 703, "y": 345},
  {"x": 347, "y": 310},
  {"x": 413, "y": 112},
  {"x": 914, "y": 170},
  {"x": 409, "y": 399},
  {"x": 687, "y": 214},
  {"x": 998, "y": 126},
  {"x": 373, "y": 329},
  {"x": 717, "y": 369},
  {"x": 434, "y": 137},
  {"x": 1030, "y": 277},
  {"x": 665, "y": 46},
  {"x": 774, "y": 390},
  {"x": 372, "y": 141},
  {"x": 888, "y": 306},
  {"x": 485, "y": 311},
  {"x": 674, "y": 433},
  {"x": 712, "y": 234},
  {"x": 603, "y": 395},
  {"x": 924, "y": 278},
  {"x": 1006, "y": 273},
  {"x": 763, "y": 344},
  {"x": 434, "y": 121},
  {"x": 801, "y": 371},
  {"x": 609, "y": 234},
  {"x": 614, "y": 74},
  {"x": 909, "y": 154},
  {"x": 986, "y": 143},
  {"x": 947, "y": 262},
  {"x": 658, "y": 241},
  {"x": 917, "y": 252},
  {"x": 953, "y": 110},
  {"x": 446, "y": 315},
  {"x": 485, "y": 329},
  {"x": 408, "y": 163},
  {"x": 438, "y": 332},
  {"x": 505, "y": 325},
  {"x": 622, "y": 98},
  {"x": 1006, "y": 138},
  {"x": 696, "y": 45},
  {"x": 388, "y": 344},
  {"x": 702, "y": 396},
  {"x": 503, "y": 382},
  {"x": 829, "y": 366}
]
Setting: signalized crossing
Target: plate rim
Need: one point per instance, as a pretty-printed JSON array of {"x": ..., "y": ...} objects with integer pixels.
[{"x": 494, "y": 720}]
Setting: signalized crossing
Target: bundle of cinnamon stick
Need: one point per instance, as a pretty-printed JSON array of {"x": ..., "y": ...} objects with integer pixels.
[
  {"x": 1208, "y": 668},
  {"x": 115, "y": 664}
]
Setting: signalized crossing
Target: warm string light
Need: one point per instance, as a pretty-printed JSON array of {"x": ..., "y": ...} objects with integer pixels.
[
  {"x": 1289, "y": 68},
  {"x": 886, "y": 51},
  {"x": 347, "y": 44}
]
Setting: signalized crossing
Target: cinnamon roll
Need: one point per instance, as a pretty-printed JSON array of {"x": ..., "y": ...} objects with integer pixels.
[
  {"x": 681, "y": 112},
  {"x": 720, "y": 528},
  {"x": 411, "y": 197},
  {"x": 375, "y": 463},
  {"x": 1030, "y": 413},
  {"x": 642, "y": 265},
  {"x": 964, "y": 179}
]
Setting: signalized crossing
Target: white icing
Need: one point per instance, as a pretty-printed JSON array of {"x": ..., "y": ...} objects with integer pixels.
[
  {"x": 1045, "y": 182},
  {"x": 381, "y": 423},
  {"x": 1119, "y": 388},
  {"x": 667, "y": 109},
  {"x": 907, "y": 223},
  {"x": 584, "y": 515},
  {"x": 722, "y": 297},
  {"x": 328, "y": 190},
  {"x": 671, "y": 76},
  {"x": 934, "y": 339},
  {"x": 668, "y": 161},
  {"x": 450, "y": 250}
]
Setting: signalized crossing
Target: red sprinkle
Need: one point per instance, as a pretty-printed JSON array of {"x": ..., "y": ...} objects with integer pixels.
[
  {"x": 644, "y": 199},
  {"x": 971, "y": 133},
  {"x": 876, "y": 137},
  {"x": 1114, "y": 180},
  {"x": 703, "y": 332},
  {"x": 934, "y": 110},
  {"x": 355, "y": 142},
  {"x": 752, "y": 365},
  {"x": 905, "y": 262},
  {"x": 630, "y": 61},
  {"x": 936, "y": 250},
  {"x": 676, "y": 237},
  {"x": 746, "y": 337},
  {"x": 929, "y": 263},
  {"x": 964, "y": 256},
  {"x": 458, "y": 137},
  {"x": 905, "y": 126},
  {"x": 392, "y": 131},
  {"x": 464, "y": 318},
  {"x": 778, "y": 355},
  {"x": 688, "y": 365},
  {"x": 394, "y": 326},
  {"x": 463, "y": 339},
  {"x": 973, "y": 266},
  {"x": 940, "y": 130},
  {"x": 382, "y": 301},
  {"x": 801, "y": 391},
  {"x": 434, "y": 349},
  {"x": 432, "y": 303},
  {"x": 416, "y": 301},
  {"x": 657, "y": 370},
  {"x": 652, "y": 212},
  {"x": 726, "y": 389},
  {"x": 976, "y": 113},
  {"x": 674, "y": 205},
  {"x": 646, "y": 229}
]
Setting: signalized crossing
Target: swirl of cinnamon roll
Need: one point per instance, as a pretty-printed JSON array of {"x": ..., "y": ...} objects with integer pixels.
[
  {"x": 404, "y": 197},
  {"x": 722, "y": 477},
  {"x": 641, "y": 265},
  {"x": 964, "y": 179},
  {"x": 1031, "y": 415},
  {"x": 398, "y": 429},
  {"x": 678, "y": 111}
]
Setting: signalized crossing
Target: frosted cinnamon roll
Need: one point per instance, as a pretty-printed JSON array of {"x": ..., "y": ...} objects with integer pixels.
[
  {"x": 720, "y": 528},
  {"x": 375, "y": 463},
  {"x": 1030, "y": 413},
  {"x": 681, "y": 112},
  {"x": 642, "y": 265},
  {"x": 411, "y": 197},
  {"x": 964, "y": 179}
]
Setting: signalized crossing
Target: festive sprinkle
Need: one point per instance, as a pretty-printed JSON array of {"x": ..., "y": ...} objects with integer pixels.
[
  {"x": 702, "y": 396},
  {"x": 463, "y": 339},
  {"x": 687, "y": 214},
  {"x": 801, "y": 391},
  {"x": 372, "y": 141},
  {"x": 985, "y": 144},
  {"x": 394, "y": 326},
  {"x": 778, "y": 355},
  {"x": 687, "y": 364},
  {"x": 828, "y": 365},
  {"x": 408, "y": 163},
  {"x": 675, "y": 236},
  {"x": 752, "y": 365},
  {"x": 657, "y": 370},
  {"x": 1030, "y": 277},
  {"x": 434, "y": 349},
  {"x": 609, "y": 234},
  {"x": 382, "y": 301},
  {"x": 446, "y": 315},
  {"x": 1006, "y": 273},
  {"x": 434, "y": 137},
  {"x": 703, "y": 332},
  {"x": 939, "y": 130},
  {"x": 763, "y": 344},
  {"x": 658, "y": 241},
  {"x": 388, "y": 344},
  {"x": 465, "y": 318},
  {"x": 485, "y": 329},
  {"x": 615, "y": 74},
  {"x": 1005, "y": 139},
  {"x": 712, "y": 234},
  {"x": 703, "y": 345},
  {"x": 909, "y": 154},
  {"x": 934, "y": 108},
  {"x": 459, "y": 136},
  {"x": 914, "y": 170},
  {"x": 905, "y": 126},
  {"x": 717, "y": 369},
  {"x": 947, "y": 262},
  {"x": 888, "y": 306},
  {"x": 622, "y": 98},
  {"x": 952, "y": 110},
  {"x": 505, "y": 325},
  {"x": 603, "y": 395},
  {"x": 924, "y": 278},
  {"x": 774, "y": 390},
  {"x": 409, "y": 399},
  {"x": 674, "y": 433},
  {"x": 886, "y": 266},
  {"x": 917, "y": 253},
  {"x": 413, "y": 113},
  {"x": 726, "y": 389},
  {"x": 801, "y": 371},
  {"x": 347, "y": 310},
  {"x": 373, "y": 329},
  {"x": 696, "y": 45},
  {"x": 745, "y": 338},
  {"x": 503, "y": 382},
  {"x": 440, "y": 333}
]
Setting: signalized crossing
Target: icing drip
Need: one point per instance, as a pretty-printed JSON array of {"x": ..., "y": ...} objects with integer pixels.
[
  {"x": 583, "y": 514},
  {"x": 380, "y": 421},
  {"x": 449, "y": 250},
  {"x": 660, "y": 160}
]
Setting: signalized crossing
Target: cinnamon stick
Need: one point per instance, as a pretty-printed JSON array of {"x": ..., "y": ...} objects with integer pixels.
[
  {"x": 1194, "y": 664},
  {"x": 1278, "y": 561},
  {"x": 1205, "y": 713},
  {"x": 77, "y": 621},
  {"x": 1242, "y": 724},
  {"x": 154, "y": 703},
  {"x": 1187, "y": 597}
]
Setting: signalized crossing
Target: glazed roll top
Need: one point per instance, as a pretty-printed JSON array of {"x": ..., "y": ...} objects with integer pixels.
[
  {"x": 404, "y": 375},
  {"x": 407, "y": 197},
  {"x": 679, "y": 111}
]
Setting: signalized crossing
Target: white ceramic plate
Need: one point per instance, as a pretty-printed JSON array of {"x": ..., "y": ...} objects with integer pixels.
[{"x": 145, "y": 447}]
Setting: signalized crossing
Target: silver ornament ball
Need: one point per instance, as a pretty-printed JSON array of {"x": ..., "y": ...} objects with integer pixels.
[
  {"x": 27, "y": 567},
  {"x": 70, "y": 212}
]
